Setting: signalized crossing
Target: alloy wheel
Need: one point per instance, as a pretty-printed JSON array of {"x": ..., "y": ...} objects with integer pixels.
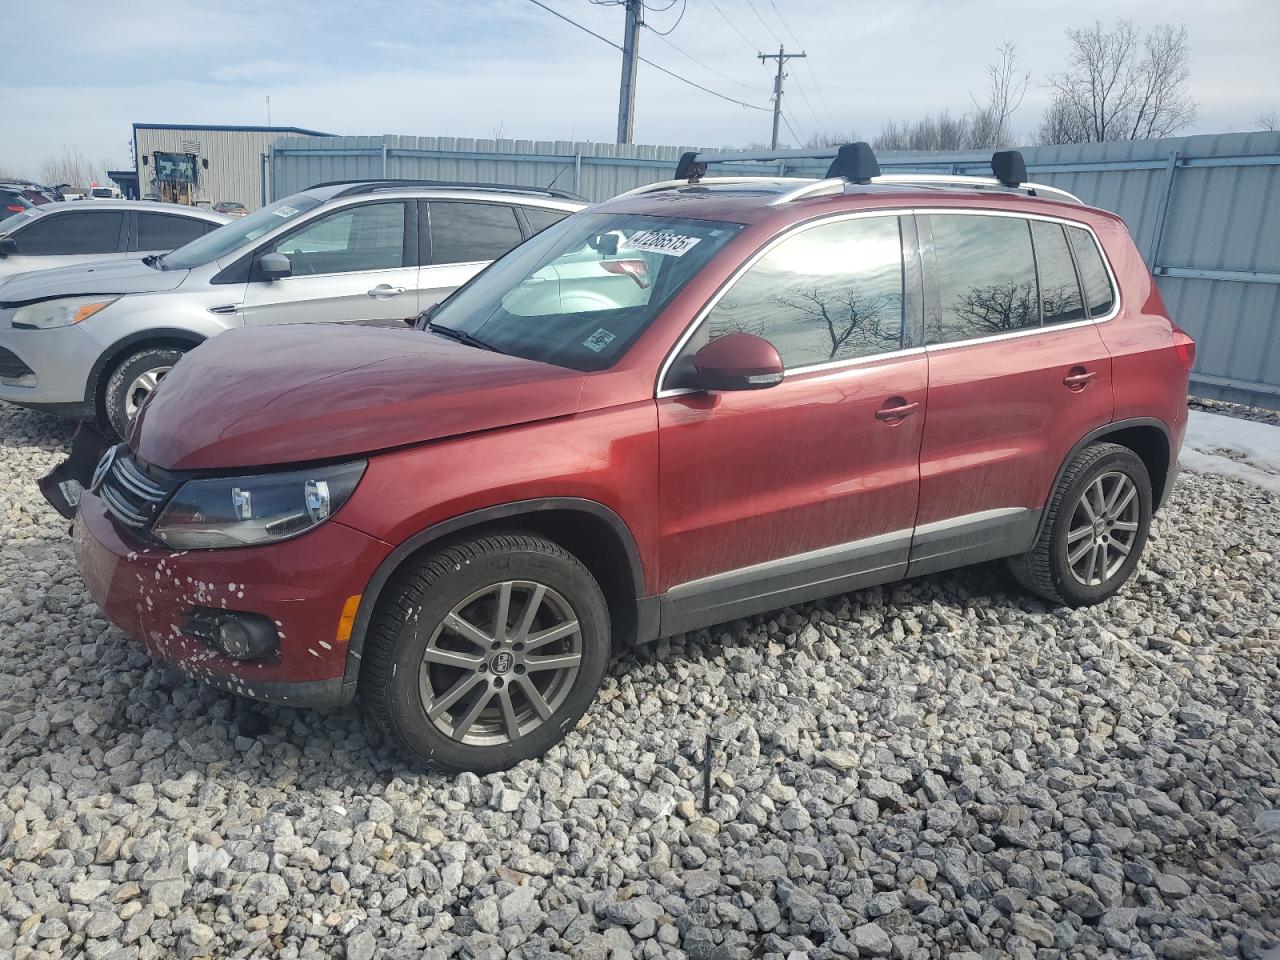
[
  {"x": 1103, "y": 528},
  {"x": 141, "y": 388},
  {"x": 500, "y": 663}
]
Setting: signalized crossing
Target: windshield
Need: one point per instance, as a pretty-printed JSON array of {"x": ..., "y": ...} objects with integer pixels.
[
  {"x": 579, "y": 294},
  {"x": 232, "y": 236},
  {"x": 9, "y": 224}
]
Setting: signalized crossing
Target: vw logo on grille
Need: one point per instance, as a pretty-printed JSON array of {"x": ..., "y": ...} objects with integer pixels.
[
  {"x": 103, "y": 468},
  {"x": 502, "y": 662}
]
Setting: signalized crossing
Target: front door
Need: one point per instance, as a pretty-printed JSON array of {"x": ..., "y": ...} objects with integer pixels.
[
  {"x": 356, "y": 263},
  {"x": 809, "y": 487},
  {"x": 1018, "y": 373}
]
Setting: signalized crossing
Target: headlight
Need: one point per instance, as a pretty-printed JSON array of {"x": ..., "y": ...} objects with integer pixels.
[
  {"x": 242, "y": 511},
  {"x": 61, "y": 312}
]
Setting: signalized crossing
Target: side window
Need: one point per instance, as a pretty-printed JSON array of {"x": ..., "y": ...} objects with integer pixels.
[
  {"x": 466, "y": 232},
  {"x": 986, "y": 277},
  {"x": 1093, "y": 273},
  {"x": 832, "y": 292},
  {"x": 165, "y": 231},
  {"x": 97, "y": 231},
  {"x": 365, "y": 237},
  {"x": 1059, "y": 290},
  {"x": 541, "y": 217}
]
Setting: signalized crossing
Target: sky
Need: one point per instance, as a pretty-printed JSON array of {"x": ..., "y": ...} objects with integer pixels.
[{"x": 486, "y": 68}]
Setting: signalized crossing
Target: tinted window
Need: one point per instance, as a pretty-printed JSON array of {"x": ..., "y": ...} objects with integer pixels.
[
  {"x": 73, "y": 233},
  {"x": 230, "y": 237},
  {"x": 465, "y": 232},
  {"x": 1093, "y": 274},
  {"x": 1059, "y": 289},
  {"x": 164, "y": 231},
  {"x": 366, "y": 237},
  {"x": 540, "y": 217},
  {"x": 833, "y": 292},
  {"x": 578, "y": 294},
  {"x": 986, "y": 277}
]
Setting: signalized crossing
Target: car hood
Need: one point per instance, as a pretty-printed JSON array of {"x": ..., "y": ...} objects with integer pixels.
[
  {"x": 107, "y": 276},
  {"x": 317, "y": 391}
]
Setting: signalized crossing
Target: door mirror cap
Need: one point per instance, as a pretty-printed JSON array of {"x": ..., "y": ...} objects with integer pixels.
[
  {"x": 8, "y": 247},
  {"x": 273, "y": 266},
  {"x": 738, "y": 361}
]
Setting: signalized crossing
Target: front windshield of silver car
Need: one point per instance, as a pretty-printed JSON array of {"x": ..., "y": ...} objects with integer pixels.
[{"x": 230, "y": 237}]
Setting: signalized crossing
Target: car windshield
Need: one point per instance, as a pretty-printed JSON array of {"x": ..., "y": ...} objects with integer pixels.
[
  {"x": 10, "y": 224},
  {"x": 232, "y": 236},
  {"x": 579, "y": 293}
]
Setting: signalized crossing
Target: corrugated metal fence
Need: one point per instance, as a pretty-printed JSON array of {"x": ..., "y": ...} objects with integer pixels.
[{"x": 1204, "y": 211}]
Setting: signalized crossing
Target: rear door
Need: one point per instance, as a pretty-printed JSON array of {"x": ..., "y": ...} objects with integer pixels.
[
  {"x": 358, "y": 262},
  {"x": 68, "y": 237},
  {"x": 808, "y": 487},
  {"x": 1017, "y": 375},
  {"x": 462, "y": 237}
]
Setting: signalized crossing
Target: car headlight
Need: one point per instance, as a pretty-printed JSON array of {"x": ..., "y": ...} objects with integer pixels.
[
  {"x": 61, "y": 312},
  {"x": 243, "y": 511}
]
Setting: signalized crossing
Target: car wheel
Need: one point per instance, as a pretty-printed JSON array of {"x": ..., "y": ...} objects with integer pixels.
[
  {"x": 486, "y": 653},
  {"x": 132, "y": 381},
  {"x": 1096, "y": 527}
]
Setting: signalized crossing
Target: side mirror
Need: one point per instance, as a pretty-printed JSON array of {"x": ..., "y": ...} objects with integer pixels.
[
  {"x": 8, "y": 247},
  {"x": 605, "y": 244},
  {"x": 737, "y": 361},
  {"x": 273, "y": 266}
]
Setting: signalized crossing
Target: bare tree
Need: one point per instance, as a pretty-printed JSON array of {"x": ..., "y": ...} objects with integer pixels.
[
  {"x": 996, "y": 308},
  {"x": 1269, "y": 121},
  {"x": 71, "y": 167},
  {"x": 943, "y": 132},
  {"x": 1120, "y": 85},
  {"x": 1006, "y": 88},
  {"x": 845, "y": 317},
  {"x": 825, "y": 139}
]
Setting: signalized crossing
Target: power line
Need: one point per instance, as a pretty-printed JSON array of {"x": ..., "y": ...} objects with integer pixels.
[
  {"x": 736, "y": 28},
  {"x": 795, "y": 135},
  {"x": 671, "y": 29},
  {"x": 817, "y": 87},
  {"x": 656, "y": 66},
  {"x": 707, "y": 66},
  {"x": 762, "y": 21}
]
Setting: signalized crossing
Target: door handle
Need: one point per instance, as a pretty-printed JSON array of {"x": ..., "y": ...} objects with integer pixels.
[
  {"x": 1078, "y": 378},
  {"x": 896, "y": 410},
  {"x": 385, "y": 291}
]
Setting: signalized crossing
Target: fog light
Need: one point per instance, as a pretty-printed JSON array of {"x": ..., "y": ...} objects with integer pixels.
[{"x": 239, "y": 635}]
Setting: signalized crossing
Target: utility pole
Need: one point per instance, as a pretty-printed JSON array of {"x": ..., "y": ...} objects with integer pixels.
[
  {"x": 630, "y": 59},
  {"x": 782, "y": 57}
]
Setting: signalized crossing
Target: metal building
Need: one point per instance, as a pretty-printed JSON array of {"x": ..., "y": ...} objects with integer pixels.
[{"x": 203, "y": 164}]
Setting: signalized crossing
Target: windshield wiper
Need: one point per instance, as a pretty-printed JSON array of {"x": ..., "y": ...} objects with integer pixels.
[
  {"x": 155, "y": 261},
  {"x": 461, "y": 336}
]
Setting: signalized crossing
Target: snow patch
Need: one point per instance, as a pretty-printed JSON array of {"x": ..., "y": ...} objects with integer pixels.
[{"x": 1230, "y": 447}]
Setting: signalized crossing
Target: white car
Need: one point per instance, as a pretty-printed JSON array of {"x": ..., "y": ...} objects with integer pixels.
[
  {"x": 92, "y": 341},
  {"x": 62, "y": 234}
]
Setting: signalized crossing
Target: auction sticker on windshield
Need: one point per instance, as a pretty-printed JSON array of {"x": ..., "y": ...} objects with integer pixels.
[
  {"x": 660, "y": 241},
  {"x": 285, "y": 212}
]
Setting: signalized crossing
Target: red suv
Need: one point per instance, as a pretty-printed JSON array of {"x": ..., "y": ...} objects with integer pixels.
[{"x": 694, "y": 402}]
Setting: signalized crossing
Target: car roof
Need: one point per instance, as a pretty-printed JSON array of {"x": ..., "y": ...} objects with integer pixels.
[
  {"x": 533, "y": 196},
  {"x": 199, "y": 213}
]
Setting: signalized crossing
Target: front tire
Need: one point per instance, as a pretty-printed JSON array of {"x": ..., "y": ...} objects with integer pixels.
[
  {"x": 486, "y": 652},
  {"x": 131, "y": 382},
  {"x": 1094, "y": 531}
]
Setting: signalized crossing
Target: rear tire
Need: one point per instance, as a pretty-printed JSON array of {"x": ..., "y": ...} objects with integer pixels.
[
  {"x": 1094, "y": 530},
  {"x": 486, "y": 652},
  {"x": 131, "y": 382}
]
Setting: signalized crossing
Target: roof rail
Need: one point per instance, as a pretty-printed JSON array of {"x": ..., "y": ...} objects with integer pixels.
[
  {"x": 356, "y": 187},
  {"x": 944, "y": 180}
]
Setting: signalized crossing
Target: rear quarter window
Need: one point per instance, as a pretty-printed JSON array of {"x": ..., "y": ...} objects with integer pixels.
[{"x": 1099, "y": 295}]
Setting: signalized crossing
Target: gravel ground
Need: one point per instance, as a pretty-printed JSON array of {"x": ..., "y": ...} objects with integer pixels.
[{"x": 941, "y": 769}]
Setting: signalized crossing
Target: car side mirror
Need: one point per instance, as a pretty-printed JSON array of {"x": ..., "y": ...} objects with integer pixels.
[
  {"x": 273, "y": 266},
  {"x": 8, "y": 247},
  {"x": 737, "y": 361},
  {"x": 605, "y": 244}
]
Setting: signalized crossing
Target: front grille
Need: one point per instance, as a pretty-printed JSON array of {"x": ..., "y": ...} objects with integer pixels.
[
  {"x": 11, "y": 365},
  {"x": 132, "y": 495}
]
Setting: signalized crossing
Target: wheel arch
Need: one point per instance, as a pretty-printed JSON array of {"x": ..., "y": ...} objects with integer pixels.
[
  {"x": 589, "y": 530},
  {"x": 1145, "y": 436},
  {"x": 154, "y": 337}
]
